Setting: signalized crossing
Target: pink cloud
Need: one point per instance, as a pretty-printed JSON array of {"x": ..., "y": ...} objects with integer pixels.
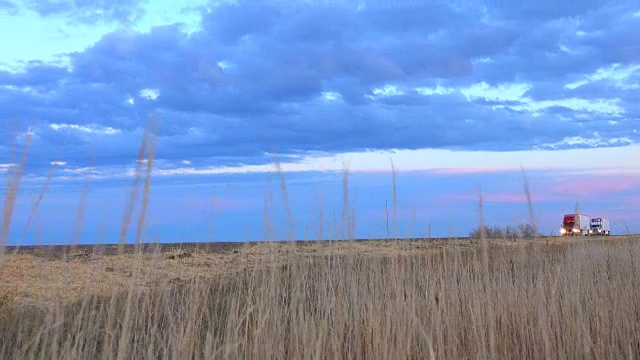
[
  {"x": 438, "y": 171},
  {"x": 503, "y": 197},
  {"x": 472, "y": 170},
  {"x": 594, "y": 185},
  {"x": 621, "y": 214},
  {"x": 634, "y": 201},
  {"x": 195, "y": 210}
]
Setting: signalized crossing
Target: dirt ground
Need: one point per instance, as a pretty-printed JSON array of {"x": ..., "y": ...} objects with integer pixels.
[{"x": 48, "y": 275}]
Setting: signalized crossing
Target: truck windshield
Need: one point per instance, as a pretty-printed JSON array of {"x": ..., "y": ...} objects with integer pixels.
[{"x": 569, "y": 223}]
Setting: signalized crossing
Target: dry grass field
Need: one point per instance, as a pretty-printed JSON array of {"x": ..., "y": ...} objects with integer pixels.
[{"x": 455, "y": 299}]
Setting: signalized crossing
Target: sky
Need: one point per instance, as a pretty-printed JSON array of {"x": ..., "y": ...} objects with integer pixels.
[{"x": 282, "y": 119}]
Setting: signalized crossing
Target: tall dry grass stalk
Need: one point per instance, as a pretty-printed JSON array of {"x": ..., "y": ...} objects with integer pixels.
[
  {"x": 291, "y": 228},
  {"x": 527, "y": 192},
  {"x": 321, "y": 219},
  {"x": 395, "y": 200},
  {"x": 134, "y": 192},
  {"x": 268, "y": 222},
  {"x": 488, "y": 293},
  {"x": 542, "y": 317},
  {"x": 211, "y": 223},
  {"x": 83, "y": 203},
  {"x": 483, "y": 232},
  {"x": 346, "y": 226},
  {"x": 14, "y": 177},
  {"x": 41, "y": 195},
  {"x": 147, "y": 184}
]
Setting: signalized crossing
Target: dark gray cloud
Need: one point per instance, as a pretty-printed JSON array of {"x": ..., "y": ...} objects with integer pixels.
[{"x": 338, "y": 78}]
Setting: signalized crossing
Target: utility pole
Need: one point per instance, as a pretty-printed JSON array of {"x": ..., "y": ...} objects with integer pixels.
[{"x": 386, "y": 209}]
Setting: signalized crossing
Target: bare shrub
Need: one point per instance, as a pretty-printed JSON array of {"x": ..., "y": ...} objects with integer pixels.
[{"x": 509, "y": 232}]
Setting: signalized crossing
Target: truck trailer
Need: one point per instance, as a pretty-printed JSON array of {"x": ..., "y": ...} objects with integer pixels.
[
  {"x": 600, "y": 226},
  {"x": 575, "y": 224}
]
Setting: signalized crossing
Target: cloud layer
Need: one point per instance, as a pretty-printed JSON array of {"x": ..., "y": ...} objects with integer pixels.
[
  {"x": 81, "y": 11},
  {"x": 258, "y": 78}
]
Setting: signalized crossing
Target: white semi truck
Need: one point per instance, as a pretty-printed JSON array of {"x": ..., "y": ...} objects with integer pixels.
[{"x": 600, "y": 226}]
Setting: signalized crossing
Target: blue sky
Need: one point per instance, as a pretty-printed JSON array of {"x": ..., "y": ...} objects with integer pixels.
[{"x": 460, "y": 97}]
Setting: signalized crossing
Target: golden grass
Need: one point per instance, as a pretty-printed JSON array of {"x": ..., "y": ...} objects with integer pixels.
[
  {"x": 331, "y": 300},
  {"x": 35, "y": 280}
]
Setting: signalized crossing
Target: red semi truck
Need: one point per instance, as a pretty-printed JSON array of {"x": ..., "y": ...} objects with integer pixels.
[{"x": 575, "y": 224}]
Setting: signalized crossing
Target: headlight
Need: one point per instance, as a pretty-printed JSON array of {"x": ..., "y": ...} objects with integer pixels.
[{"x": 563, "y": 231}]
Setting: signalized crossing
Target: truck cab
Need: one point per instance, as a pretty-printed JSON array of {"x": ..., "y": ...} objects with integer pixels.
[{"x": 600, "y": 226}]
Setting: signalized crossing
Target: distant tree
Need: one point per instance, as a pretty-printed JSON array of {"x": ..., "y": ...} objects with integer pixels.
[
  {"x": 509, "y": 232},
  {"x": 528, "y": 231}
]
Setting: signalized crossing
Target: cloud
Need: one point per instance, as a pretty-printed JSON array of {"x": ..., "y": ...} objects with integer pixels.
[
  {"x": 4, "y": 168},
  {"x": 615, "y": 74},
  {"x": 149, "y": 94},
  {"x": 497, "y": 197},
  {"x": 8, "y": 5},
  {"x": 258, "y": 78},
  {"x": 599, "y": 162},
  {"x": 91, "y": 129},
  {"x": 438, "y": 90},
  {"x": 595, "y": 141},
  {"x": 634, "y": 202},
  {"x": 593, "y": 186},
  {"x": 36, "y": 75},
  {"x": 387, "y": 90},
  {"x": 85, "y": 11},
  {"x": 501, "y": 93}
]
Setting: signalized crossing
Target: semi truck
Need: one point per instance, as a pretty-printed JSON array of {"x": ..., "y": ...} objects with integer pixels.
[
  {"x": 600, "y": 226},
  {"x": 575, "y": 224}
]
